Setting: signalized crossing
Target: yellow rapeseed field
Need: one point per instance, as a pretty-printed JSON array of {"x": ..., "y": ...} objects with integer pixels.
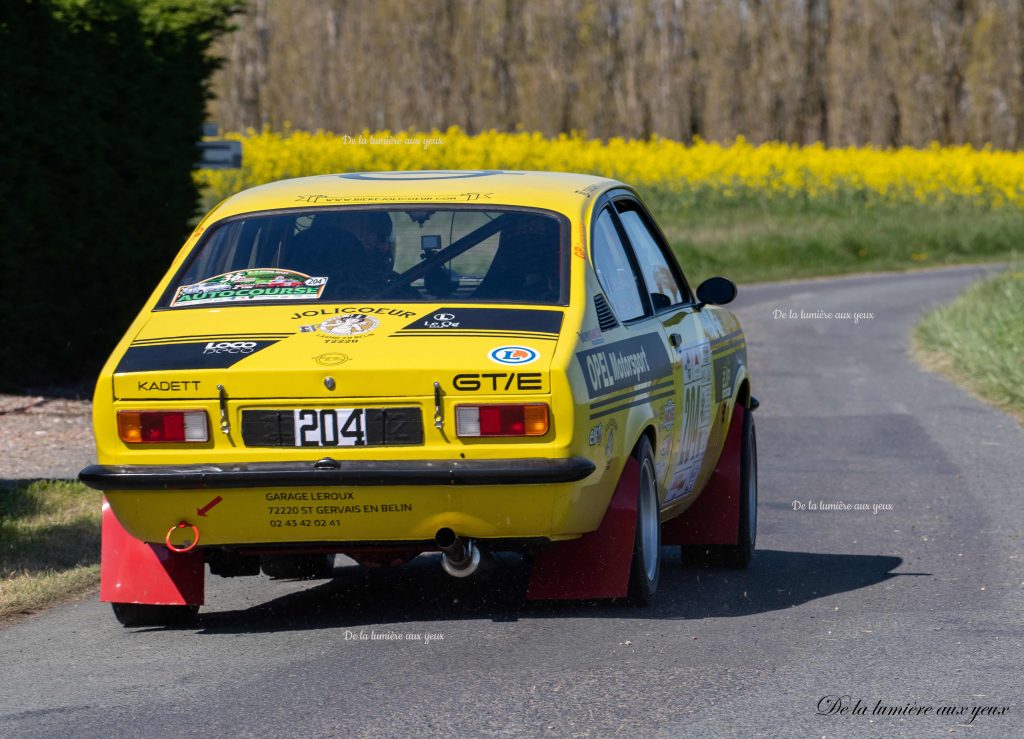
[{"x": 983, "y": 178}]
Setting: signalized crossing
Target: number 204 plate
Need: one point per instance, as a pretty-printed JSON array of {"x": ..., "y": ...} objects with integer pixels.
[{"x": 330, "y": 427}]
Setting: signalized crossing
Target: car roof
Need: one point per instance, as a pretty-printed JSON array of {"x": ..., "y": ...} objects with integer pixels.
[{"x": 559, "y": 191}]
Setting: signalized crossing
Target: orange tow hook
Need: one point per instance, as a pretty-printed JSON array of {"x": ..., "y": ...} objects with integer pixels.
[{"x": 188, "y": 547}]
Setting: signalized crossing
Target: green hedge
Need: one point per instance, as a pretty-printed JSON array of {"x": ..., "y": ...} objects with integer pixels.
[{"x": 101, "y": 103}]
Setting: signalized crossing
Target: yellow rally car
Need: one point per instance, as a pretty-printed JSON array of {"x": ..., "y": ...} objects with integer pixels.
[{"x": 383, "y": 364}]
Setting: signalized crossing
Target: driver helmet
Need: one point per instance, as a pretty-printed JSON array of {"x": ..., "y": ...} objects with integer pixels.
[{"x": 374, "y": 230}]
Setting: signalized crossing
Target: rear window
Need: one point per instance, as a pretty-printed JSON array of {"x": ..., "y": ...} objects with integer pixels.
[{"x": 410, "y": 254}]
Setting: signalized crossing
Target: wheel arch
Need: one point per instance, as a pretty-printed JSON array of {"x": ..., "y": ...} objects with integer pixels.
[
  {"x": 652, "y": 436},
  {"x": 743, "y": 394}
]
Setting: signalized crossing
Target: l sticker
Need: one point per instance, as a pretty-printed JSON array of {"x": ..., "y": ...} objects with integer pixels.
[{"x": 513, "y": 355}]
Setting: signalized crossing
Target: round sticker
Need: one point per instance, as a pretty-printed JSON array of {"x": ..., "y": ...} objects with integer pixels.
[
  {"x": 357, "y": 323},
  {"x": 513, "y": 355},
  {"x": 332, "y": 359}
]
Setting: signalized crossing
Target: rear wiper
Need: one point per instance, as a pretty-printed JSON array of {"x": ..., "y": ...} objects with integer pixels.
[{"x": 453, "y": 250}]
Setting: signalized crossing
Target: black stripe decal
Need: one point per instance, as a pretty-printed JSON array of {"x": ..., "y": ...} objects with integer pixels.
[
  {"x": 641, "y": 401},
  {"x": 495, "y": 319},
  {"x": 209, "y": 337},
  {"x": 495, "y": 332},
  {"x": 473, "y": 335},
  {"x": 650, "y": 389},
  {"x": 218, "y": 340},
  {"x": 198, "y": 355}
]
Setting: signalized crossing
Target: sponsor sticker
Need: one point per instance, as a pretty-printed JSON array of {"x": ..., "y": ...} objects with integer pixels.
[
  {"x": 513, "y": 355},
  {"x": 725, "y": 371},
  {"x": 341, "y": 310},
  {"x": 167, "y": 385},
  {"x": 439, "y": 320},
  {"x": 595, "y": 435},
  {"x": 624, "y": 364},
  {"x": 668, "y": 416},
  {"x": 348, "y": 325},
  {"x": 609, "y": 444},
  {"x": 696, "y": 421},
  {"x": 230, "y": 347},
  {"x": 499, "y": 381},
  {"x": 251, "y": 284}
]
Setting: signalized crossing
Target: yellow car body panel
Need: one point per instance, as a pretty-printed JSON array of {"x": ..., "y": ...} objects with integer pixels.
[{"x": 294, "y": 365}]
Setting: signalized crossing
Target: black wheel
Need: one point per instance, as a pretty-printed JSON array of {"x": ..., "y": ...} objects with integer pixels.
[
  {"x": 646, "y": 565},
  {"x": 737, "y": 556},
  {"x": 140, "y": 614},
  {"x": 297, "y": 566}
]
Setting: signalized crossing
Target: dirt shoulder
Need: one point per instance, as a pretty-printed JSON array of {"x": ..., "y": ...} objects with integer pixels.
[{"x": 44, "y": 438}]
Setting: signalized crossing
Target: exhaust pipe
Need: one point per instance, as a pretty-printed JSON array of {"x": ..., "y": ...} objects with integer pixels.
[{"x": 461, "y": 557}]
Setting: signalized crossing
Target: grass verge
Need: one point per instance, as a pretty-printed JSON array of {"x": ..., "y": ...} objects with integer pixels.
[
  {"x": 775, "y": 239},
  {"x": 49, "y": 544},
  {"x": 976, "y": 340}
]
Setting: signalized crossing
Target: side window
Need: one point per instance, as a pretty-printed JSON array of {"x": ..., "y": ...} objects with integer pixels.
[
  {"x": 658, "y": 275},
  {"x": 614, "y": 271}
]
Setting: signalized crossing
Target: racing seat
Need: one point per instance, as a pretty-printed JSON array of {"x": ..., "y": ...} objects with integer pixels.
[{"x": 526, "y": 265}]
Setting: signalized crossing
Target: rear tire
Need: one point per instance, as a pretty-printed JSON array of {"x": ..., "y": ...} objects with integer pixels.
[
  {"x": 645, "y": 569},
  {"x": 297, "y": 566},
  {"x": 144, "y": 614}
]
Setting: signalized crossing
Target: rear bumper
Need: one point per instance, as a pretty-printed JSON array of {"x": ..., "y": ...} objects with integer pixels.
[{"x": 329, "y": 472}]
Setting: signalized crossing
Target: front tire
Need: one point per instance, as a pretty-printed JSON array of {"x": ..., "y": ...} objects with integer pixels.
[
  {"x": 645, "y": 569},
  {"x": 737, "y": 556},
  {"x": 144, "y": 614}
]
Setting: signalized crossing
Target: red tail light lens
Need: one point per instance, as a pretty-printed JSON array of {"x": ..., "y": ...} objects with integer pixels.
[
  {"x": 162, "y": 427},
  {"x": 522, "y": 419}
]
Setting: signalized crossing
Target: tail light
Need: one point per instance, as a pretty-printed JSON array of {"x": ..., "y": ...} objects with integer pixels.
[
  {"x": 162, "y": 427},
  {"x": 521, "y": 419}
]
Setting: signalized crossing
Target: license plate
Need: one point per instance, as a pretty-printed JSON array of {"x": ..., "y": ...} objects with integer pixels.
[{"x": 330, "y": 427}]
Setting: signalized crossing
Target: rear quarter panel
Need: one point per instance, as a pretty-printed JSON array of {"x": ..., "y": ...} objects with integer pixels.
[{"x": 607, "y": 439}]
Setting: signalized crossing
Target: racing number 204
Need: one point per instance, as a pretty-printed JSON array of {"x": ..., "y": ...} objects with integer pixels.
[
  {"x": 691, "y": 421},
  {"x": 329, "y": 427}
]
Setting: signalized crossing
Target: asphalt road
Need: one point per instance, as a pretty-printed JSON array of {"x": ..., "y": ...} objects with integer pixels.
[{"x": 920, "y": 604}]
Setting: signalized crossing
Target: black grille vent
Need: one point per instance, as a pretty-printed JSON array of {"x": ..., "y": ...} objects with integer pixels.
[{"x": 605, "y": 317}]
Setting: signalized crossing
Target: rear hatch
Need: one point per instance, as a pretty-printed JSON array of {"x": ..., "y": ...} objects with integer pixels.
[{"x": 338, "y": 352}]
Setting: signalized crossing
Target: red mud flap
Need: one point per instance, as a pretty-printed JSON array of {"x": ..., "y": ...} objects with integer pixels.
[
  {"x": 132, "y": 571},
  {"x": 597, "y": 564},
  {"x": 715, "y": 517}
]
